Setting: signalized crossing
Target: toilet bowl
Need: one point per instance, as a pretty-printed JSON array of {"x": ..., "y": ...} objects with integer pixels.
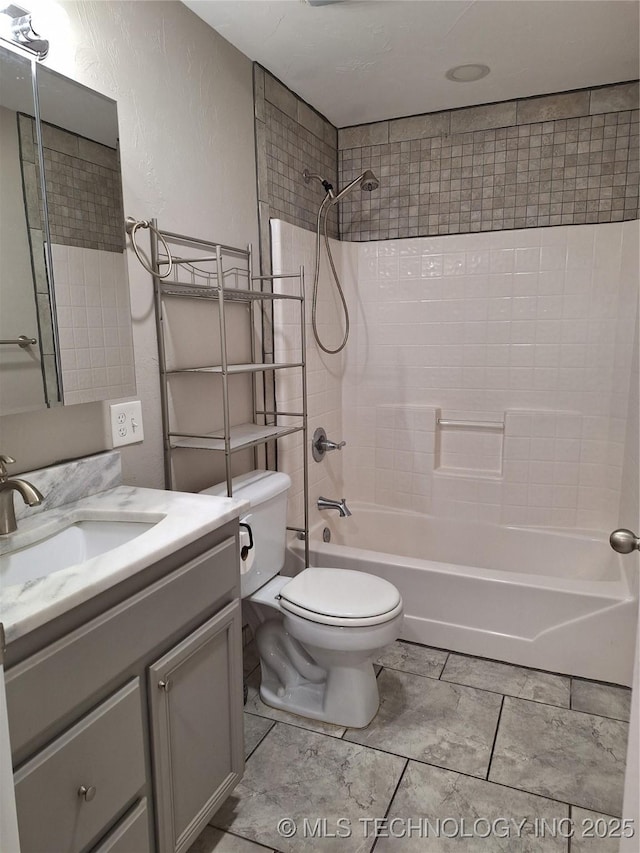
[{"x": 317, "y": 633}]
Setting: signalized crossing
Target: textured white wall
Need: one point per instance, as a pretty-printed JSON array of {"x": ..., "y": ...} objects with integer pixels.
[{"x": 185, "y": 110}]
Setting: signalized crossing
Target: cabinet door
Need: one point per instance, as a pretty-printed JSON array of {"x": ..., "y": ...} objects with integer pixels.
[{"x": 195, "y": 695}]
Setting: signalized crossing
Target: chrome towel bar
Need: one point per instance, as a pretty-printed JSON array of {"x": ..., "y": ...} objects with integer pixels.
[{"x": 21, "y": 341}]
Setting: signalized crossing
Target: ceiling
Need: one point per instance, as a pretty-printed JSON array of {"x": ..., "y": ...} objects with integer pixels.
[{"x": 361, "y": 61}]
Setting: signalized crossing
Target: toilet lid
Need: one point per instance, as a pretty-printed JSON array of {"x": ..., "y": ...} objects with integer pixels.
[{"x": 341, "y": 594}]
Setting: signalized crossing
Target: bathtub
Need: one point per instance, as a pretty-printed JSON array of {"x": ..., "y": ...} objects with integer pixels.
[{"x": 546, "y": 599}]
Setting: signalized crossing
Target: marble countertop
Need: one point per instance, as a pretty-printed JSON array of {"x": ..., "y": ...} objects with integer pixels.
[{"x": 179, "y": 518}]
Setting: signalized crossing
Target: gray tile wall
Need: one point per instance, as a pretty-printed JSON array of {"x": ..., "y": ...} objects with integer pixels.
[
  {"x": 291, "y": 137},
  {"x": 84, "y": 195},
  {"x": 570, "y": 158},
  {"x": 84, "y": 188}
]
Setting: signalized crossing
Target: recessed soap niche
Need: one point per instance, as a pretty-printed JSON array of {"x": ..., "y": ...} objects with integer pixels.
[{"x": 469, "y": 444}]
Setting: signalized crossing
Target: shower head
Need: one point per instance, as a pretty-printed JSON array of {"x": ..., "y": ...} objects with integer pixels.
[{"x": 369, "y": 182}]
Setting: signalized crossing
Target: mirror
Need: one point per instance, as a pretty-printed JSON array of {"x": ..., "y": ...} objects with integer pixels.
[
  {"x": 22, "y": 385},
  {"x": 75, "y": 275}
]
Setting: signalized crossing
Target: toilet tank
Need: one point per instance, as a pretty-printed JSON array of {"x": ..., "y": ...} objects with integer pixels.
[{"x": 267, "y": 492}]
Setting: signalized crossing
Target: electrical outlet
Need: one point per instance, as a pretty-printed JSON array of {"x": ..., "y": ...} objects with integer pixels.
[{"x": 126, "y": 423}]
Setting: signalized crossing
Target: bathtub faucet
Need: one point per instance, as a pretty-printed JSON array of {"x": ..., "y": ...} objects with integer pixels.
[{"x": 341, "y": 506}]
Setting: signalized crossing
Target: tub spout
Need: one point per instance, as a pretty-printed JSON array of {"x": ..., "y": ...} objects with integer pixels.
[{"x": 341, "y": 506}]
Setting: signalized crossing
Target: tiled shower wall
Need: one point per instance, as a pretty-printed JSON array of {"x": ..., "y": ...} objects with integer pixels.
[
  {"x": 292, "y": 247},
  {"x": 563, "y": 159},
  {"x": 529, "y": 330},
  {"x": 93, "y": 314}
]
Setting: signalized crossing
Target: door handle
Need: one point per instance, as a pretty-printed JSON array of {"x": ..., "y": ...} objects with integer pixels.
[{"x": 624, "y": 541}]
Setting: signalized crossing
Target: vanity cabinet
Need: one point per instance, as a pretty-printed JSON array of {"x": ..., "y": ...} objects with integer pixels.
[
  {"x": 126, "y": 718},
  {"x": 189, "y": 692}
]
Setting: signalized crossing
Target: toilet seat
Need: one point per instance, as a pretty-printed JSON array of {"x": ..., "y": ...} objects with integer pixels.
[{"x": 341, "y": 597}]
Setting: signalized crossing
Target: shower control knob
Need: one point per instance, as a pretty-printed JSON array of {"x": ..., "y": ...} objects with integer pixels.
[{"x": 624, "y": 541}]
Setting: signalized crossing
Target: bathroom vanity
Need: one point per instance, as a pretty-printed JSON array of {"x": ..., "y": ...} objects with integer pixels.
[{"x": 124, "y": 688}]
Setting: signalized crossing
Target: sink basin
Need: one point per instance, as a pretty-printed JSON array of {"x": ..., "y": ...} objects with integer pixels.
[{"x": 74, "y": 544}]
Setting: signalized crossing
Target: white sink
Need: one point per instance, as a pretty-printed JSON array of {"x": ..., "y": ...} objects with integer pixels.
[{"x": 70, "y": 546}]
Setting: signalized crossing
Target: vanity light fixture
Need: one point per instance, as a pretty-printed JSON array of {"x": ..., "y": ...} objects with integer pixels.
[
  {"x": 16, "y": 27},
  {"x": 467, "y": 73}
]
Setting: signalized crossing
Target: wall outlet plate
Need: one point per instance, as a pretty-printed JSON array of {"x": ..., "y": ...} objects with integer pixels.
[{"x": 126, "y": 423}]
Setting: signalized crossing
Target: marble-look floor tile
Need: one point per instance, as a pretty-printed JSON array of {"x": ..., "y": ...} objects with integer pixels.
[
  {"x": 606, "y": 700},
  {"x": 508, "y": 679},
  {"x": 409, "y": 657},
  {"x": 255, "y": 705},
  {"x": 250, "y": 658},
  {"x": 444, "y": 724},
  {"x": 213, "y": 840},
  {"x": 467, "y": 815},
  {"x": 255, "y": 728},
  {"x": 303, "y": 776},
  {"x": 594, "y": 832},
  {"x": 570, "y": 756}
]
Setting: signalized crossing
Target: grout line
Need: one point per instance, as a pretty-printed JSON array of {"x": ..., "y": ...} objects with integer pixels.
[
  {"x": 393, "y": 796},
  {"x": 493, "y": 692},
  {"x": 444, "y": 665},
  {"x": 247, "y": 757},
  {"x": 495, "y": 738},
  {"x": 243, "y": 837},
  {"x": 569, "y": 845}
]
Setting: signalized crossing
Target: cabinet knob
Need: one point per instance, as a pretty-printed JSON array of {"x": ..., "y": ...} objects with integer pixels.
[
  {"x": 87, "y": 794},
  {"x": 165, "y": 685}
]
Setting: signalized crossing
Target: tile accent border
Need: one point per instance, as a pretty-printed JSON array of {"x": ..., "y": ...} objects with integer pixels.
[{"x": 563, "y": 159}]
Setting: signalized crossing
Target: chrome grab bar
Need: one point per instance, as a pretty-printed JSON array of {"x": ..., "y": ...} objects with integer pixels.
[{"x": 21, "y": 341}]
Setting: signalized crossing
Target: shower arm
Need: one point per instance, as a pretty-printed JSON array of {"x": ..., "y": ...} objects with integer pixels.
[
  {"x": 354, "y": 183},
  {"x": 332, "y": 196}
]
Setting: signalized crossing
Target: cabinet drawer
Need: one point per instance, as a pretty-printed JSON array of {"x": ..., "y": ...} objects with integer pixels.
[
  {"x": 131, "y": 835},
  {"x": 104, "y": 752},
  {"x": 40, "y": 694}
]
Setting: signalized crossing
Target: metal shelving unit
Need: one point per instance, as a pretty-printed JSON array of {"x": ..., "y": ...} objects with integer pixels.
[{"x": 208, "y": 278}]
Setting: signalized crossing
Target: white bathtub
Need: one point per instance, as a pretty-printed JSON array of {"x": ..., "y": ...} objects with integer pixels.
[{"x": 540, "y": 598}]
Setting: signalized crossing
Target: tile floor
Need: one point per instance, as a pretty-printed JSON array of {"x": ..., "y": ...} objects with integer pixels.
[{"x": 464, "y": 755}]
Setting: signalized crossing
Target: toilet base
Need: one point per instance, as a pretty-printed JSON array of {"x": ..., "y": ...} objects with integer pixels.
[
  {"x": 349, "y": 696},
  {"x": 342, "y": 691}
]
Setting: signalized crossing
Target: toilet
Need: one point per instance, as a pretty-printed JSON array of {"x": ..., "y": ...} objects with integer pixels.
[{"x": 317, "y": 633}]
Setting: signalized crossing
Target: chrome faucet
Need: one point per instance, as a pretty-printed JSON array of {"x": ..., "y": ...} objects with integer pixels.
[
  {"x": 341, "y": 506},
  {"x": 30, "y": 495}
]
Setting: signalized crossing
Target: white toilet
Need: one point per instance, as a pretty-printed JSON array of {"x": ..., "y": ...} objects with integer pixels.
[{"x": 318, "y": 633}]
